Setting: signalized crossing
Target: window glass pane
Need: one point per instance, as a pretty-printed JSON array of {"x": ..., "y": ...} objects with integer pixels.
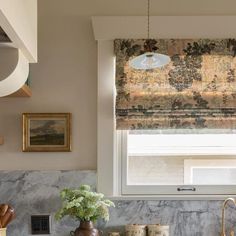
[
  {"x": 181, "y": 159},
  {"x": 210, "y": 176},
  {"x": 152, "y": 170}
]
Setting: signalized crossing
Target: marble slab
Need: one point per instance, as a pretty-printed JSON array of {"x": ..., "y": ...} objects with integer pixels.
[
  {"x": 185, "y": 218},
  {"x": 37, "y": 192}
]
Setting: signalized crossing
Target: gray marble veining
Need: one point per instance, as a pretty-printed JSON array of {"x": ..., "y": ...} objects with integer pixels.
[
  {"x": 37, "y": 192},
  {"x": 186, "y": 218}
]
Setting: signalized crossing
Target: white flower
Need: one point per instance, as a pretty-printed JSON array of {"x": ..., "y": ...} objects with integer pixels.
[{"x": 83, "y": 204}]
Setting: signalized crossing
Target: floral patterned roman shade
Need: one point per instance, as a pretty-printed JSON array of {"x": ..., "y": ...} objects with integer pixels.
[{"x": 196, "y": 90}]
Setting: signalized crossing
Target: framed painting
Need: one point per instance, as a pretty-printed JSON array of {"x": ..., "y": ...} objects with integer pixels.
[{"x": 46, "y": 132}]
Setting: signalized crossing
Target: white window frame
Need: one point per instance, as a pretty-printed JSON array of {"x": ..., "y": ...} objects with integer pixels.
[{"x": 109, "y": 141}]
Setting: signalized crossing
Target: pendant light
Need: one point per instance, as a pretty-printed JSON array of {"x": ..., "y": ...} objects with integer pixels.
[{"x": 149, "y": 59}]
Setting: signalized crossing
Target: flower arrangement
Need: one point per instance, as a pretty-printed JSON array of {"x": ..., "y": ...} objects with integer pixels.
[{"x": 84, "y": 205}]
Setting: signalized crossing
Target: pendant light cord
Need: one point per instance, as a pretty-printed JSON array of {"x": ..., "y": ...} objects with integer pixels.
[
  {"x": 149, "y": 59},
  {"x": 148, "y": 16}
]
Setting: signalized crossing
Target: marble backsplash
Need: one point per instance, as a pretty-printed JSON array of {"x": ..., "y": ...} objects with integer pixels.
[{"x": 37, "y": 192}]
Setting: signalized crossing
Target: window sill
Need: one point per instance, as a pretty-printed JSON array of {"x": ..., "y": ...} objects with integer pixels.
[{"x": 170, "y": 197}]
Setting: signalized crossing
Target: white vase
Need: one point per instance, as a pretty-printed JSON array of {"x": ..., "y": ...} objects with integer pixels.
[{"x": 3, "y": 231}]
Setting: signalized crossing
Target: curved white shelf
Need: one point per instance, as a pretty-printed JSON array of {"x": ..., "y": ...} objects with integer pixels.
[{"x": 17, "y": 78}]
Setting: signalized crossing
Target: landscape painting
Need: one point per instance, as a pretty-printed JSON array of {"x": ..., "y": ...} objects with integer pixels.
[{"x": 46, "y": 132}]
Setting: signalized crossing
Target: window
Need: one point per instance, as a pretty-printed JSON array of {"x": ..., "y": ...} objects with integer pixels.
[
  {"x": 183, "y": 111},
  {"x": 163, "y": 158},
  {"x": 154, "y": 161},
  {"x": 111, "y": 163}
]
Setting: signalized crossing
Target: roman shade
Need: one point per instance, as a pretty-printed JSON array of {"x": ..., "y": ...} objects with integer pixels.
[{"x": 196, "y": 90}]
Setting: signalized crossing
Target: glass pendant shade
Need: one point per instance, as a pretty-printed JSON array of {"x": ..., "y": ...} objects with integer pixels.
[{"x": 149, "y": 60}]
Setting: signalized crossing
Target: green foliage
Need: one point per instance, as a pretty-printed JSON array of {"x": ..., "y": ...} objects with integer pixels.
[{"x": 83, "y": 204}]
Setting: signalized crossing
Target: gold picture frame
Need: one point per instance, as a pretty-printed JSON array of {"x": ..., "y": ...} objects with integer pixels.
[{"x": 46, "y": 132}]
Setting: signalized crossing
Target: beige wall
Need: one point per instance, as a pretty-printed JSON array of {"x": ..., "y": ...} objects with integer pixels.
[{"x": 64, "y": 80}]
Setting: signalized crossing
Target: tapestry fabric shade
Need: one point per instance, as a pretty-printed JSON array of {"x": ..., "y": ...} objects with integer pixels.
[{"x": 196, "y": 90}]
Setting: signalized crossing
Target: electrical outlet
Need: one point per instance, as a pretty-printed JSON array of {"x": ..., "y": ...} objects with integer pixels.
[{"x": 40, "y": 224}]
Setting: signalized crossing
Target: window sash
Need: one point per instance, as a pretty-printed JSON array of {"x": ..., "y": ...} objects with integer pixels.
[{"x": 172, "y": 190}]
